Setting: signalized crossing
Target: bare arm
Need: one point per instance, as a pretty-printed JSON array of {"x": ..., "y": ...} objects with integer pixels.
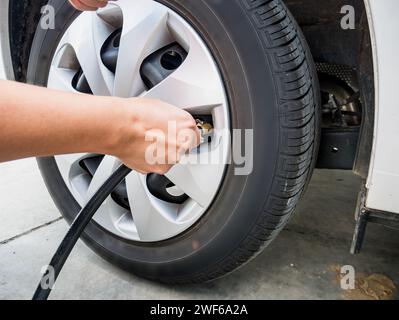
[{"x": 42, "y": 122}]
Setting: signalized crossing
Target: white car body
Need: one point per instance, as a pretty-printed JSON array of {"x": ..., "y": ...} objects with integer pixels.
[{"x": 383, "y": 178}]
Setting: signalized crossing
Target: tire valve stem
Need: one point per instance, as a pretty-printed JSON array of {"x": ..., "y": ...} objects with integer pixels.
[{"x": 206, "y": 130}]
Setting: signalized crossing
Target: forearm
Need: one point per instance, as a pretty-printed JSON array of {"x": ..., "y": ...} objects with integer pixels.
[{"x": 40, "y": 122}]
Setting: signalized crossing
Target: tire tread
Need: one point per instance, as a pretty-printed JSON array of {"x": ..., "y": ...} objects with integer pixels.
[{"x": 297, "y": 85}]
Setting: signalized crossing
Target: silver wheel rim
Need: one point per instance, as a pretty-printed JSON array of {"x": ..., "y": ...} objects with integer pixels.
[{"x": 195, "y": 86}]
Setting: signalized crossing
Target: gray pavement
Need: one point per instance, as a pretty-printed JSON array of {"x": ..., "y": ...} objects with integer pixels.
[{"x": 303, "y": 263}]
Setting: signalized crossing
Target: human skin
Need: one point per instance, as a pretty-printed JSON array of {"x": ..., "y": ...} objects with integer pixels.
[
  {"x": 89, "y": 5},
  {"x": 41, "y": 122}
]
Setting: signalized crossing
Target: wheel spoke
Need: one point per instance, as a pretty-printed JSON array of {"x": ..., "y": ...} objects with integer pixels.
[
  {"x": 111, "y": 216},
  {"x": 199, "y": 175},
  {"x": 67, "y": 165},
  {"x": 67, "y": 162},
  {"x": 181, "y": 92},
  {"x": 103, "y": 172},
  {"x": 154, "y": 219},
  {"x": 144, "y": 31},
  {"x": 86, "y": 36},
  {"x": 61, "y": 79},
  {"x": 70, "y": 159},
  {"x": 195, "y": 85}
]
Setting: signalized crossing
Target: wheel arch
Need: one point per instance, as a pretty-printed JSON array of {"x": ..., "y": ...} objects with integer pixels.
[{"x": 329, "y": 43}]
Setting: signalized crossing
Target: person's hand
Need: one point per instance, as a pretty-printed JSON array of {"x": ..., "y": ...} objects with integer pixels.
[
  {"x": 154, "y": 135},
  {"x": 88, "y": 5}
]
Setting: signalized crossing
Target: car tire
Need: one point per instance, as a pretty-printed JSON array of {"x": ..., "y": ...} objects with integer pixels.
[{"x": 272, "y": 88}]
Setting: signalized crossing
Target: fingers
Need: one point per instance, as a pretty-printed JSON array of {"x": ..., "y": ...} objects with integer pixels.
[
  {"x": 95, "y": 3},
  {"x": 161, "y": 170},
  {"x": 175, "y": 148},
  {"x": 192, "y": 135},
  {"x": 88, "y": 5},
  {"x": 161, "y": 135},
  {"x": 187, "y": 140},
  {"x": 81, "y": 6},
  {"x": 146, "y": 169}
]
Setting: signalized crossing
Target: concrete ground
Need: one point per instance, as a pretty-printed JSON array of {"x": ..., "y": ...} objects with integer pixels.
[{"x": 303, "y": 263}]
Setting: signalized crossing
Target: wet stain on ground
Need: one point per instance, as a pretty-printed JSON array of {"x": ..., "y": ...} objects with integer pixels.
[{"x": 371, "y": 286}]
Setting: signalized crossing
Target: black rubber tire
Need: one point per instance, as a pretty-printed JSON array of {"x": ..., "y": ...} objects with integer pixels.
[{"x": 273, "y": 89}]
